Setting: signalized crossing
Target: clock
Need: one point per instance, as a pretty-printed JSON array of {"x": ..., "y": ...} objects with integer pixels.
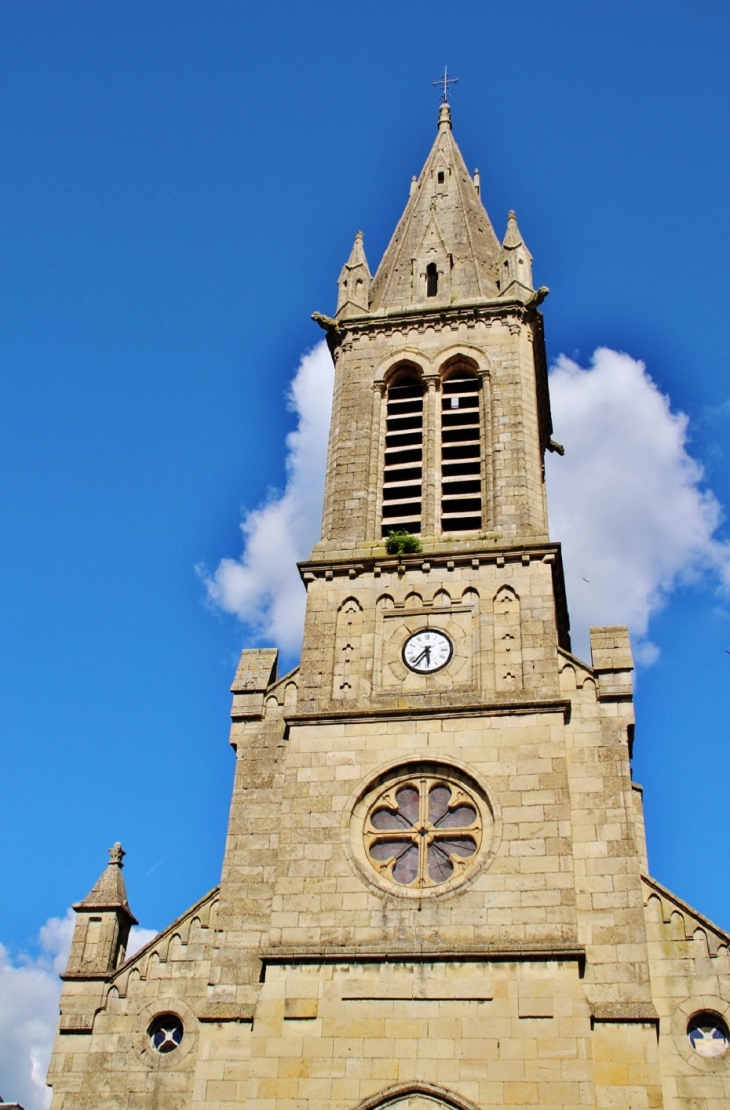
[{"x": 427, "y": 651}]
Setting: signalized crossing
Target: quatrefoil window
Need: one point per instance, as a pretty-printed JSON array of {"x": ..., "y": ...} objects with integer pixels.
[
  {"x": 708, "y": 1035},
  {"x": 423, "y": 831},
  {"x": 166, "y": 1033}
]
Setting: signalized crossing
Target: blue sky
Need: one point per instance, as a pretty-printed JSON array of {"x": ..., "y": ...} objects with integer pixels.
[{"x": 179, "y": 187}]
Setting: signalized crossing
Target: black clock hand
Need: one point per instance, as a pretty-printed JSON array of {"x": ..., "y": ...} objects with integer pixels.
[{"x": 426, "y": 652}]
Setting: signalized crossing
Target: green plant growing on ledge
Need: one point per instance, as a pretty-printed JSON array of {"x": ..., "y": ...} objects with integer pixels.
[{"x": 400, "y": 542}]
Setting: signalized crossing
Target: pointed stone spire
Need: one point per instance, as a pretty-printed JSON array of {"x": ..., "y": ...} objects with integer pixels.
[
  {"x": 514, "y": 264},
  {"x": 109, "y": 891},
  {"x": 354, "y": 282},
  {"x": 444, "y": 248},
  {"x": 102, "y": 924}
]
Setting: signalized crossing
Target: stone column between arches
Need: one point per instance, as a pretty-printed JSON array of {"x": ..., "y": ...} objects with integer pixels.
[
  {"x": 431, "y": 481},
  {"x": 375, "y": 465}
]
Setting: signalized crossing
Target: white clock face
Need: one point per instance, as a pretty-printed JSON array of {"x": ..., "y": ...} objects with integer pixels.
[{"x": 427, "y": 651}]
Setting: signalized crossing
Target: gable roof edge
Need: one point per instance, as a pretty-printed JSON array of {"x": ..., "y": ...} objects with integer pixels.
[{"x": 684, "y": 907}]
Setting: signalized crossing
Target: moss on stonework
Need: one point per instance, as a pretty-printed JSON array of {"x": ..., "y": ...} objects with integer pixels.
[{"x": 400, "y": 542}]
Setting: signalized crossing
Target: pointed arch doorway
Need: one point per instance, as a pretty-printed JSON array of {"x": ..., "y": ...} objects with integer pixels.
[{"x": 416, "y": 1096}]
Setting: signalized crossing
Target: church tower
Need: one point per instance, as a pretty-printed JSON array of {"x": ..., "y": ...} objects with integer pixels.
[{"x": 435, "y": 890}]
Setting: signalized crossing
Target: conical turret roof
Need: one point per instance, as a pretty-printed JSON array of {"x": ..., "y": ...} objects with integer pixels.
[
  {"x": 357, "y": 256},
  {"x": 354, "y": 282},
  {"x": 109, "y": 891},
  {"x": 515, "y": 264},
  {"x": 444, "y": 214},
  {"x": 513, "y": 235}
]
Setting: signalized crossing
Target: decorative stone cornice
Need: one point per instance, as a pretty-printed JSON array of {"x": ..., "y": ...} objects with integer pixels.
[
  {"x": 383, "y": 709},
  {"x": 475, "y": 555},
  {"x": 428, "y": 954},
  {"x": 86, "y": 976},
  {"x": 468, "y": 312},
  {"x": 513, "y": 708}
]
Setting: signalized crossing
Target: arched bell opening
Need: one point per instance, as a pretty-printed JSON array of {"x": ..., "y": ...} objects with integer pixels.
[
  {"x": 403, "y": 465},
  {"x": 461, "y": 448}
]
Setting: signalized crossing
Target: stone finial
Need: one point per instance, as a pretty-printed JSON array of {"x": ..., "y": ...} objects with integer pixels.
[
  {"x": 513, "y": 236},
  {"x": 445, "y": 117},
  {"x": 354, "y": 282},
  {"x": 477, "y": 183},
  {"x": 116, "y": 855},
  {"x": 357, "y": 254}
]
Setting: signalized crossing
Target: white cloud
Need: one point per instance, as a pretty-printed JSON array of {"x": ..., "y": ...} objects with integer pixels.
[
  {"x": 29, "y": 995},
  {"x": 263, "y": 587},
  {"x": 627, "y": 500},
  {"x": 138, "y": 937}
]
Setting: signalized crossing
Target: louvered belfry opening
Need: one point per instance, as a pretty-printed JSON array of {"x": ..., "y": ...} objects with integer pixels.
[
  {"x": 461, "y": 478},
  {"x": 403, "y": 476}
]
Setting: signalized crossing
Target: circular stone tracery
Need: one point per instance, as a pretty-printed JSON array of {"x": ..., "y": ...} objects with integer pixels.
[
  {"x": 166, "y": 1033},
  {"x": 422, "y": 831},
  {"x": 708, "y": 1035}
]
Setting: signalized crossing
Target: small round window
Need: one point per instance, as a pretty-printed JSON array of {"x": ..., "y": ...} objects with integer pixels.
[
  {"x": 166, "y": 1033},
  {"x": 708, "y": 1034},
  {"x": 422, "y": 832}
]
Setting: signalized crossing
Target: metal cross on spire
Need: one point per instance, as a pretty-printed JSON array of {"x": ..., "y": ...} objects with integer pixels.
[{"x": 446, "y": 81}]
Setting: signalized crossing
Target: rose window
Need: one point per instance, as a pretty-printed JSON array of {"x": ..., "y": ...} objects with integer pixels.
[{"x": 422, "y": 832}]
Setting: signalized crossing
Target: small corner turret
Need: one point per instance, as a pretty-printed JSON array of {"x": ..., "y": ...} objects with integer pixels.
[
  {"x": 354, "y": 283},
  {"x": 514, "y": 265},
  {"x": 103, "y": 921}
]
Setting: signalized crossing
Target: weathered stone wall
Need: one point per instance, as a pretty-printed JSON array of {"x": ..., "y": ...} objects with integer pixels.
[
  {"x": 464, "y": 596},
  {"x": 499, "y": 341},
  {"x": 690, "y": 973},
  {"x": 308, "y": 979}
]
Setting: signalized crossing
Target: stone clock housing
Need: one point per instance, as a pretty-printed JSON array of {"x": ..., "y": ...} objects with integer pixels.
[
  {"x": 435, "y": 890},
  {"x": 427, "y": 651}
]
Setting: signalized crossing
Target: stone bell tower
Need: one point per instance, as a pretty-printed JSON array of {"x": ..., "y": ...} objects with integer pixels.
[
  {"x": 435, "y": 892},
  {"x": 448, "y": 305},
  {"x": 440, "y": 423},
  {"x": 448, "y": 824}
]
